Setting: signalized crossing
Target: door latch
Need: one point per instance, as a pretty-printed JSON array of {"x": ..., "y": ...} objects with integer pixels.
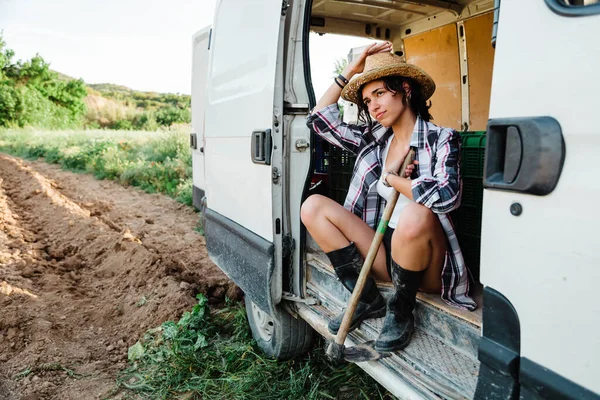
[
  {"x": 260, "y": 147},
  {"x": 275, "y": 175},
  {"x": 524, "y": 155},
  {"x": 301, "y": 145}
]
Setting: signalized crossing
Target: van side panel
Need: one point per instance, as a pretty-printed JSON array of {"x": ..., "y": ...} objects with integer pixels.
[
  {"x": 242, "y": 152},
  {"x": 436, "y": 52},
  {"x": 200, "y": 54},
  {"x": 480, "y": 59}
]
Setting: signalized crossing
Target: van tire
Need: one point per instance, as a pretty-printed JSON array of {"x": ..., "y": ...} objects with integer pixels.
[{"x": 281, "y": 336}]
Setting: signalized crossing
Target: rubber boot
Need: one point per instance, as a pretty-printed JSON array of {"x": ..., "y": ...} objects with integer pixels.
[
  {"x": 399, "y": 322},
  {"x": 347, "y": 263}
]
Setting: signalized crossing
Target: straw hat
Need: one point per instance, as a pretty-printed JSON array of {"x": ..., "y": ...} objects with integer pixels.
[{"x": 381, "y": 65}]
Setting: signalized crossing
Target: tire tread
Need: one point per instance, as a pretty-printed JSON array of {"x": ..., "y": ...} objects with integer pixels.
[{"x": 294, "y": 339}]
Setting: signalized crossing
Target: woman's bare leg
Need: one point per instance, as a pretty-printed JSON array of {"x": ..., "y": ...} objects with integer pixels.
[
  {"x": 333, "y": 227},
  {"x": 419, "y": 244}
]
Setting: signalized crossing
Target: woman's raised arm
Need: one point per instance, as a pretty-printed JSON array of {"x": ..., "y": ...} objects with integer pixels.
[{"x": 357, "y": 66}]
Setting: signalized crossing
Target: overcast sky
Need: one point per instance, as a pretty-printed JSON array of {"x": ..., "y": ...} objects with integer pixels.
[{"x": 143, "y": 44}]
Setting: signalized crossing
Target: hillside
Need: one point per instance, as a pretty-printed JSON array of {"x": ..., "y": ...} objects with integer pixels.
[
  {"x": 116, "y": 106},
  {"x": 141, "y": 99},
  {"x": 31, "y": 94},
  {"x": 119, "y": 107}
]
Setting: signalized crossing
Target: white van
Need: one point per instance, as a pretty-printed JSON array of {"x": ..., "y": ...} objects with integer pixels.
[{"x": 528, "y": 226}]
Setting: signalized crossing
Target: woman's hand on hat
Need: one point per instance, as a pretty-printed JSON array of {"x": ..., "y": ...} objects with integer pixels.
[{"x": 358, "y": 65}]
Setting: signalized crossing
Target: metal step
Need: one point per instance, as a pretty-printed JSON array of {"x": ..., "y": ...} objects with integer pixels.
[{"x": 443, "y": 352}]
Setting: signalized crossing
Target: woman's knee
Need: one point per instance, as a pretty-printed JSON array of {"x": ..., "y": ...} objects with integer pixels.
[
  {"x": 415, "y": 223},
  {"x": 311, "y": 208}
]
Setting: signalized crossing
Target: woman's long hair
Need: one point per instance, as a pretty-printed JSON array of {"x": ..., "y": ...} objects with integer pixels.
[{"x": 394, "y": 84}]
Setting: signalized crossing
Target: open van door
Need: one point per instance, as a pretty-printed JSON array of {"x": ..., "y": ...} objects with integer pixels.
[
  {"x": 200, "y": 53},
  {"x": 243, "y": 147},
  {"x": 539, "y": 253}
]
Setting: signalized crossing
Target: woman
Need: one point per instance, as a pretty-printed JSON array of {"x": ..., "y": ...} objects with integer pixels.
[{"x": 419, "y": 250}]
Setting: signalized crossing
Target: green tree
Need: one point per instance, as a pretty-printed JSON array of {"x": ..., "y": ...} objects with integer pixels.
[
  {"x": 32, "y": 94},
  {"x": 171, "y": 115},
  {"x": 11, "y": 104}
]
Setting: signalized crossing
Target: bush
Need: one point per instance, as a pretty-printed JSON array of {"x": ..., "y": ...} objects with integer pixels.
[
  {"x": 123, "y": 124},
  {"x": 185, "y": 192},
  {"x": 11, "y": 105},
  {"x": 172, "y": 115},
  {"x": 32, "y": 94},
  {"x": 40, "y": 111},
  {"x": 145, "y": 121}
]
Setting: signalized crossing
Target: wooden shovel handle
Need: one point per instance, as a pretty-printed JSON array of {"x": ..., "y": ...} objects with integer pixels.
[{"x": 366, "y": 269}]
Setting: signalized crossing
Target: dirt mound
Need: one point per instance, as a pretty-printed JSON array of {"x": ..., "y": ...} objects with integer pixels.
[{"x": 86, "y": 267}]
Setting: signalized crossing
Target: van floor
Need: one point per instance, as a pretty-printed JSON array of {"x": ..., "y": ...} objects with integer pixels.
[{"x": 443, "y": 352}]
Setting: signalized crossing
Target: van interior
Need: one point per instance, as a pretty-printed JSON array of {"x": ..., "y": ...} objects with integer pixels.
[{"x": 453, "y": 42}]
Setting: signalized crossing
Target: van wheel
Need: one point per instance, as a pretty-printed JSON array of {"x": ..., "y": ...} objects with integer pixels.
[{"x": 280, "y": 336}]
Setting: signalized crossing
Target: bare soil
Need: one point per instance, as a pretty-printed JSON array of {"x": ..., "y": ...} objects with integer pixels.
[{"x": 86, "y": 267}]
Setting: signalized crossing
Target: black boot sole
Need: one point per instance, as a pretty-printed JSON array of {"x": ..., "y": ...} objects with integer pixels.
[
  {"x": 393, "y": 346},
  {"x": 372, "y": 314}
]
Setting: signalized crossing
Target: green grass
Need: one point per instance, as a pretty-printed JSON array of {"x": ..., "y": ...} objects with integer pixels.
[
  {"x": 211, "y": 355},
  {"x": 157, "y": 162}
]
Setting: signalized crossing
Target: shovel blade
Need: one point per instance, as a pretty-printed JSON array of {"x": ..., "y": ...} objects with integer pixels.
[{"x": 363, "y": 352}]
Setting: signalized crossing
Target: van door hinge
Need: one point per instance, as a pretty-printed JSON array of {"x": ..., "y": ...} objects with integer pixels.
[
  {"x": 311, "y": 301},
  {"x": 275, "y": 175},
  {"x": 295, "y": 108},
  {"x": 284, "y": 6}
]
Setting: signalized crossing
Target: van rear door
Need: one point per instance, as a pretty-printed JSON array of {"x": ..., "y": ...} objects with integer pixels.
[
  {"x": 200, "y": 54},
  {"x": 539, "y": 247},
  {"x": 242, "y": 122}
]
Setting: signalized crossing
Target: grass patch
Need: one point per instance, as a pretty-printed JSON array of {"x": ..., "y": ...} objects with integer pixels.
[
  {"x": 211, "y": 355},
  {"x": 157, "y": 162}
]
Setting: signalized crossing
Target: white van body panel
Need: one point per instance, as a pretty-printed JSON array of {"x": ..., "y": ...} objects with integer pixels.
[
  {"x": 200, "y": 54},
  {"x": 546, "y": 260},
  {"x": 240, "y": 93}
]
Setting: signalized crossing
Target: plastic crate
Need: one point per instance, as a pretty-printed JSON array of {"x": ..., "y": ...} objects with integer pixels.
[
  {"x": 472, "y": 191},
  {"x": 321, "y": 156},
  {"x": 341, "y": 166},
  {"x": 472, "y": 154},
  {"x": 467, "y": 218}
]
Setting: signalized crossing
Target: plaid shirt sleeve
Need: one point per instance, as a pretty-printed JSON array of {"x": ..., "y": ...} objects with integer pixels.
[
  {"x": 328, "y": 124},
  {"x": 441, "y": 192}
]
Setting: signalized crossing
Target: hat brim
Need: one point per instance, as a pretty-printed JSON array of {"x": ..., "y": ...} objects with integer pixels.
[{"x": 350, "y": 91}]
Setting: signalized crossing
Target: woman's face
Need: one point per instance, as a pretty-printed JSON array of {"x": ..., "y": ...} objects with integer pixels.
[{"x": 384, "y": 106}]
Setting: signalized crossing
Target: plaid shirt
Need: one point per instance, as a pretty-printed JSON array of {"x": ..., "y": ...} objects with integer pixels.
[{"x": 436, "y": 182}]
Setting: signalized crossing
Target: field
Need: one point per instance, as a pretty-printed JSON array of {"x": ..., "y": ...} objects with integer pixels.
[
  {"x": 106, "y": 288},
  {"x": 157, "y": 162}
]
